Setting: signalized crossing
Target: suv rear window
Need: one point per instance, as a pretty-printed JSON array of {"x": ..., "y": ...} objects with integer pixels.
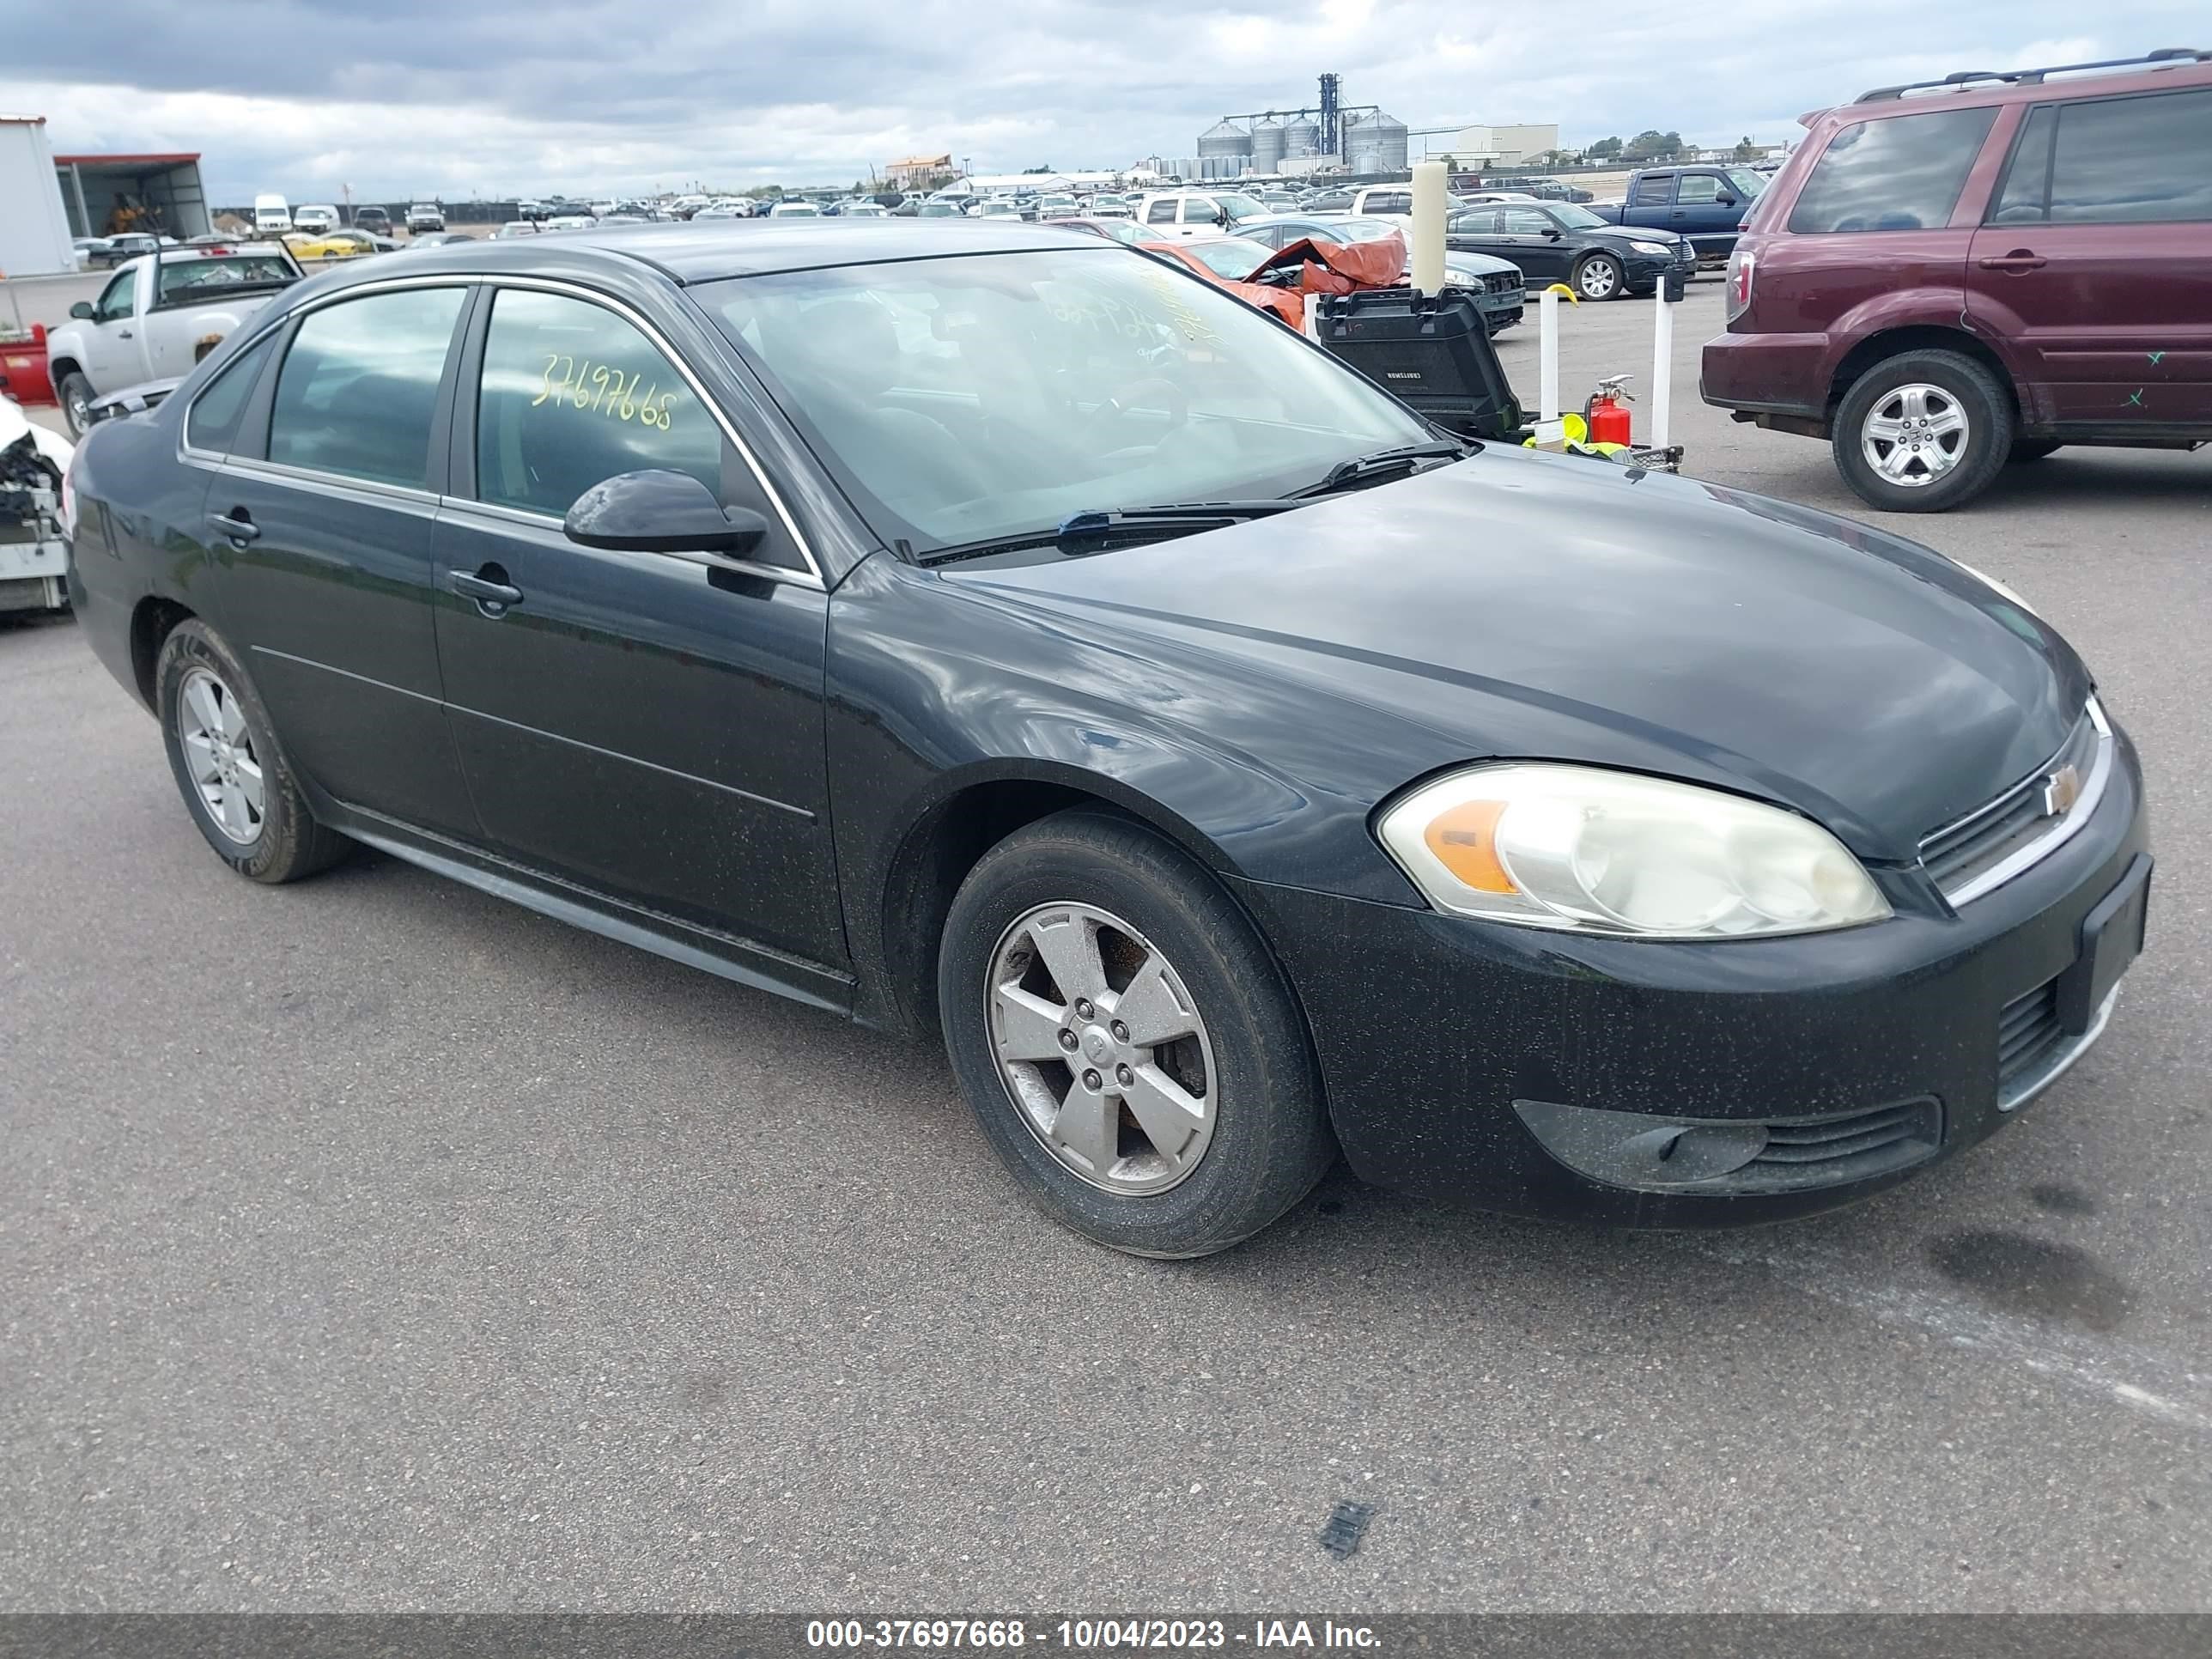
[{"x": 1901, "y": 173}]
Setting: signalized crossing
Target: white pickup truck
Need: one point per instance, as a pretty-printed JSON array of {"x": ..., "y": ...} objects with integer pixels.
[{"x": 156, "y": 317}]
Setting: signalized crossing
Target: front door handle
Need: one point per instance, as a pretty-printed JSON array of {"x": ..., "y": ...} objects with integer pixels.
[
  {"x": 492, "y": 591},
  {"x": 237, "y": 524},
  {"x": 2019, "y": 260}
]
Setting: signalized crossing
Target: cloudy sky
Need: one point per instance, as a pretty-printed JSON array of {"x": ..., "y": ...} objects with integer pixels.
[{"x": 501, "y": 98}]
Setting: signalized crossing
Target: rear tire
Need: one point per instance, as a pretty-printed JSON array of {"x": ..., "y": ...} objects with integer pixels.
[
  {"x": 1096, "y": 890},
  {"x": 232, "y": 775},
  {"x": 1922, "y": 432}
]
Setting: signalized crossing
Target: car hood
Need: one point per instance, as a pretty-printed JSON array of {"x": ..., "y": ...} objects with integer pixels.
[{"x": 1535, "y": 606}]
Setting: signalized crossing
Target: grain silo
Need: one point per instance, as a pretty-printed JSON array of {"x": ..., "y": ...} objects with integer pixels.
[
  {"x": 1384, "y": 138},
  {"x": 1301, "y": 136},
  {"x": 1226, "y": 144},
  {"x": 1266, "y": 145},
  {"x": 1359, "y": 152}
]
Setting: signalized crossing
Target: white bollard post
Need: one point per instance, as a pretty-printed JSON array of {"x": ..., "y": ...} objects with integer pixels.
[
  {"x": 1547, "y": 355},
  {"x": 1313, "y": 316},
  {"x": 1429, "y": 199},
  {"x": 1662, "y": 366}
]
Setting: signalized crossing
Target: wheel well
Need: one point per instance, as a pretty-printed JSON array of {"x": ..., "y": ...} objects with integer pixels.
[
  {"x": 1876, "y": 348},
  {"x": 62, "y": 366},
  {"x": 150, "y": 624}
]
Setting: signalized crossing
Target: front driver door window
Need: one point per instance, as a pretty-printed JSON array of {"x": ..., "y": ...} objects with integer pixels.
[{"x": 644, "y": 724}]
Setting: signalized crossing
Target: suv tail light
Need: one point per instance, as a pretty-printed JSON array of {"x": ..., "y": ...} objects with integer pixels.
[{"x": 1742, "y": 266}]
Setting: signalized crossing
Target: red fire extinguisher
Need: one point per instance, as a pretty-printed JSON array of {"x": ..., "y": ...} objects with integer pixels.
[{"x": 1606, "y": 411}]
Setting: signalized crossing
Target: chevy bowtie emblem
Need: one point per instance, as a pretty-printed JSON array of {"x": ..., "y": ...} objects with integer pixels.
[{"x": 2060, "y": 791}]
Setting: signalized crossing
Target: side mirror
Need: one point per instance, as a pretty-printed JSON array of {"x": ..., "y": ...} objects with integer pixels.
[
  {"x": 1222, "y": 218},
  {"x": 81, "y": 311},
  {"x": 657, "y": 511},
  {"x": 1727, "y": 201},
  {"x": 1554, "y": 232}
]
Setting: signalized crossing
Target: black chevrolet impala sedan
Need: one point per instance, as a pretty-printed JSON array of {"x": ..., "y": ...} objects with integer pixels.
[{"x": 984, "y": 629}]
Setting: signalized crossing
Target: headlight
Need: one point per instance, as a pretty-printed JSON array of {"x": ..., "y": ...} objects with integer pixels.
[
  {"x": 1652, "y": 247},
  {"x": 1599, "y": 851}
]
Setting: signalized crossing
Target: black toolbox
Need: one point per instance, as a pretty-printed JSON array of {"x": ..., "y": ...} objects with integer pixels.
[{"x": 1432, "y": 350}]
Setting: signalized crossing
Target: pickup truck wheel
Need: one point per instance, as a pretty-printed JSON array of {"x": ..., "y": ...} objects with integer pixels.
[
  {"x": 1127, "y": 1044},
  {"x": 1922, "y": 432},
  {"x": 1598, "y": 276},
  {"x": 76, "y": 394},
  {"x": 233, "y": 776}
]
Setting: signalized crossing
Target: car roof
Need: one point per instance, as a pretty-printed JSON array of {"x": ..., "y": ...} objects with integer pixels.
[{"x": 688, "y": 252}]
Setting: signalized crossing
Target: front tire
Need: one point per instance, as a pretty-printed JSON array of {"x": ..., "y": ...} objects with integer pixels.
[
  {"x": 76, "y": 394},
  {"x": 235, "y": 780},
  {"x": 1923, "y": 432},
  {"x": 1128, "y": 1045},
  {"x": 1599, "y": 276}
]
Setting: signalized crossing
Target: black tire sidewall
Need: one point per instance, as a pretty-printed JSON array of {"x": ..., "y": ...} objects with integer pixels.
[
  {"x": 1991, "y": 422},
  {"x": 1620, "y": 276},
  {"x": 1271, "y": 1139},
  {"x": 286, "y": 845}
]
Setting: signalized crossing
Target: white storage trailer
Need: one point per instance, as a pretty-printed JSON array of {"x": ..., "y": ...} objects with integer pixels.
[{"x": 35, "y": 228}]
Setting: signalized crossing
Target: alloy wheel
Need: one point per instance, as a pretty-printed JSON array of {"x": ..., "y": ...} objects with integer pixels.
[
  {"x": 1597, "y": 279},
  {"x": 1100, "y": 1047},
  {"x": 1915, "y": 434},
  {"x": 220, "y": 755}
]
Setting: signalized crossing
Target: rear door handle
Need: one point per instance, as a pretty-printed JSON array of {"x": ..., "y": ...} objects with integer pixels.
[
  {"x": 483, "y": 589},
  {"x": 237, "y": 524},
  {"x": 2020, "y": 259}
]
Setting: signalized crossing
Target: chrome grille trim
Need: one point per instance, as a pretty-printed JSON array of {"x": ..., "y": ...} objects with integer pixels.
[{"x": 1994, "y": 814}]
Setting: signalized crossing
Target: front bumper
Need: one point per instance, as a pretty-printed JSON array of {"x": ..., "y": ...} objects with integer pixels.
[
  {"x": 1438, "y": 1035},
  {"x": 1641, "y": 272}
]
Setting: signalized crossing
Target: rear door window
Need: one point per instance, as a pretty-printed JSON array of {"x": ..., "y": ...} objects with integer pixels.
[
  {"x": 213, "y": 421},
  {"x": 2024, "y": 198},
  {"x": 1653, "y": 190},
  {"x": 2133, "y": 161},
  {"x": 1162, "y": 212},
  {"x": 358, "y": 390},
  {"x": 1901, "y": 173}
]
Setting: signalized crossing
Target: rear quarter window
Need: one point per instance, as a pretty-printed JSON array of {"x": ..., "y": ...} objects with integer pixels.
[{"x": 1901, "y": 172}]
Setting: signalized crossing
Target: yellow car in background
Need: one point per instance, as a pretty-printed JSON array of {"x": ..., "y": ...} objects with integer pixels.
[{"x": 336, "y": 245}]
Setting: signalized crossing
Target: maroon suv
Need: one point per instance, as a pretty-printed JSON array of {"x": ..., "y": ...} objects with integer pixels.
[{"x": 1949, "y": 277}]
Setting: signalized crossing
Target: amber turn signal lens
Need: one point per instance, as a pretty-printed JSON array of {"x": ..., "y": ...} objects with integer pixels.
[{"x": 1463, "y": 838}]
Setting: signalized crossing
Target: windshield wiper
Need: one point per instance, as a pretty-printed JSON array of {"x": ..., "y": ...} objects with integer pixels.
[
  {"x": 1094, "y": 529},
  {"x": 1371, "y": 469}
]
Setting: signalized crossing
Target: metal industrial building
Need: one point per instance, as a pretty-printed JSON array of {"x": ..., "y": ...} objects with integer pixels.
[
  {"x": 34, "y": 230},
  {"x": 105, "y": 194}
]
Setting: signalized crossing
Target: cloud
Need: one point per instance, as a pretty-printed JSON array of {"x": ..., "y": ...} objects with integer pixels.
[{"x": 501, "y": 98}]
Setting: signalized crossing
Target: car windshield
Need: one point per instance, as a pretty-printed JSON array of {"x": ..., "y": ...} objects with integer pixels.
[
  {"x": 1574, "y": 218},
  {"x": 1349, "y": 229},
  {"x": 1749, "y": 183},
  {"x": 981, "y": 396},
  {"x": 1233, "y": 257}
]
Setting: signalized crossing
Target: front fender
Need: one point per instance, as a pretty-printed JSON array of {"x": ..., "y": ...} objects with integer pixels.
[
  {"x": 933, "y": 688},
  {"x": 66, "y": 344}
]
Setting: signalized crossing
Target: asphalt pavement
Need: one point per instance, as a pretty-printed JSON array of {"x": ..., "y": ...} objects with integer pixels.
[{"x": 370, "y": 1244}]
